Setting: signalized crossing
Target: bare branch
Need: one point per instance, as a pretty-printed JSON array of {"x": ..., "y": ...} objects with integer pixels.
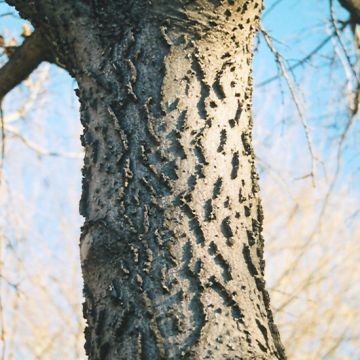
[
  {"x": 2, "y": 140},
  {"x": 6, "y": 14},
  {"x": 272, "y": 7},
  {"x": 23, "y": 62},
  {"x": 307, "y": 58},
  {"x": 300, "y": 62},
  {"x": 285, "y": 73},
  {"x": 38, "y": 149},
  {"x": 340, "y": 40}
]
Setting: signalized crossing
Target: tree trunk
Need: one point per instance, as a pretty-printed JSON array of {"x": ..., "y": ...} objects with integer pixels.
[{"x": 171, "y": 248}]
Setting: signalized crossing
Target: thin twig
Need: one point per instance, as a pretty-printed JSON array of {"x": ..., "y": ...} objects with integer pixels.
[
  {"x": 293, "y": 94},
  {"x": 307, "y": 58},
  {"x": 2, "y": 141},
  {"x": 324, "y": 206},
  {"x": 6, "y": 14},
  {"x": 272, "y": 7},
  {"x": 340, "y": 40},
  {"x": 38, "y": 149},
  {"x": 2, "y": 319}
]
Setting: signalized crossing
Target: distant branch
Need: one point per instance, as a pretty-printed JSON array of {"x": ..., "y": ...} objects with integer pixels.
[
  {"x": 340, "y": 40},
  {"x": 285, "y": 74},
  {"x": 6, "y": 14},
  {"x": 38, "y": 149},
  {"x": 307, "y": 58},
  {"x": 23, "y": 60},
  {"x": 2, "y": 144},
  {"x": 272, "y": 7}
]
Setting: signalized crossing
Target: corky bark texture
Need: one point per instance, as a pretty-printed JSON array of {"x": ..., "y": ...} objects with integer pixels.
[{"x": 171, "y": 248}]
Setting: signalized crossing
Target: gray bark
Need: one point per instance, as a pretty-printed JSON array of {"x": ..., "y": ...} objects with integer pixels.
[{"x": 171, "y": 247}]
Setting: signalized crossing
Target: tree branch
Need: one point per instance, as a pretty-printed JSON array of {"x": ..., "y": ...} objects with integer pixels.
[
  {"x": 286, "y": 75},
  {"x": 307, "y": 58},
  {"x": 353, "y": 7},
  {"x": 23, "y": 62},
  {"x": 26, "y": 8}
]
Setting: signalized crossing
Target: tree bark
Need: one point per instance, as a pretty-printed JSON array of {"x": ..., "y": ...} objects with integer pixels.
[{"x": 171, "y": 247}]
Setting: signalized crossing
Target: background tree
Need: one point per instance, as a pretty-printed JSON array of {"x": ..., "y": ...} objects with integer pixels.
[{"x": 311, "y": 282}]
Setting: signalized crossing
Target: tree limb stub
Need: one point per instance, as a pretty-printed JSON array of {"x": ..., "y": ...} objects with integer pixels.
[
  {"x": 23, "y": 62},
  {"x": 353, "y": 6}
]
